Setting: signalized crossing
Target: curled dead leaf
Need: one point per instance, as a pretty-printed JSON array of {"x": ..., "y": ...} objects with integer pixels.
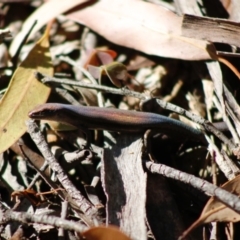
[{"x": 216, "y": 211}]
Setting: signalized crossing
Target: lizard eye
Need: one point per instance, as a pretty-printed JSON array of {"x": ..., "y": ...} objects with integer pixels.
[{"x": 50, "y": 112}]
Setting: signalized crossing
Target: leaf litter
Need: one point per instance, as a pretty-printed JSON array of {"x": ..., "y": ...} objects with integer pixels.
[{"x": 128, "y": 31}]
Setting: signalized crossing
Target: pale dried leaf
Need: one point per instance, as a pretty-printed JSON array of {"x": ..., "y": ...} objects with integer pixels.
[
  {"x": 142, "y": 26},
  {"x": 43, "y": 14}
]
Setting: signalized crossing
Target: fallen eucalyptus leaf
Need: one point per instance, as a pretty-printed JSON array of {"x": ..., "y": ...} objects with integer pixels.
[
  {"x": 142, "y": 26},
  {"x": 24, "y": 93}
]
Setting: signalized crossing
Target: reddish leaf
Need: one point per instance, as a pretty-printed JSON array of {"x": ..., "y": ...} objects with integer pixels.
[
  {"x": 104, "y": 233},
  {"x": 100, "y": 57}
]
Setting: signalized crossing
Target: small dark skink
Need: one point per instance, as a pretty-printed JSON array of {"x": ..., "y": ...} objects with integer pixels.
[{"x": 114, "y": 120}]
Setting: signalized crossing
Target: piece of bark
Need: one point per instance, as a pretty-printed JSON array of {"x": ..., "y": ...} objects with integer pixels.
[
  {"x": 124, "y": 183},
  {"x": 211, "y": 29}
]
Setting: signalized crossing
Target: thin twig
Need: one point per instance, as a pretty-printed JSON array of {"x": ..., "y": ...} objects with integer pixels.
[
  {"x": 41, "y": 172},
  {"x": 36, "y": 177},
  {"x": 64, "y": 213},
  {"x": 126, "y": 92},
  {"x": 43, "y": 219},
  {"x": 75, "y": 196},
  {"x": 198, "y": 119},
  {"x": 231, "y": 164},
  {"x": 232, "y": 102},
  {"x": 122, "y": 91},
  {"x": 226, "y": 120},
  {"x": 224, "y": 196},
  {"x": 83, "y": 70}
]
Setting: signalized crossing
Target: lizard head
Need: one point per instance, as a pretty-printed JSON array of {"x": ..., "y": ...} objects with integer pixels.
[{"x": 46, "y": 112}]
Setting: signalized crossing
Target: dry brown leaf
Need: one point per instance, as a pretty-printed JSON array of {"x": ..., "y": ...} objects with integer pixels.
[
  {"x": 24, "y": 93},
  {"x": 49, "y": 10},
  {"x": 116, "y": 72},
  {"x": 216, "y": 211},
  {"x": 105, "y": 233},
  {"x": 30, "y": 194},
  {"x": 142, "y": 26}
]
